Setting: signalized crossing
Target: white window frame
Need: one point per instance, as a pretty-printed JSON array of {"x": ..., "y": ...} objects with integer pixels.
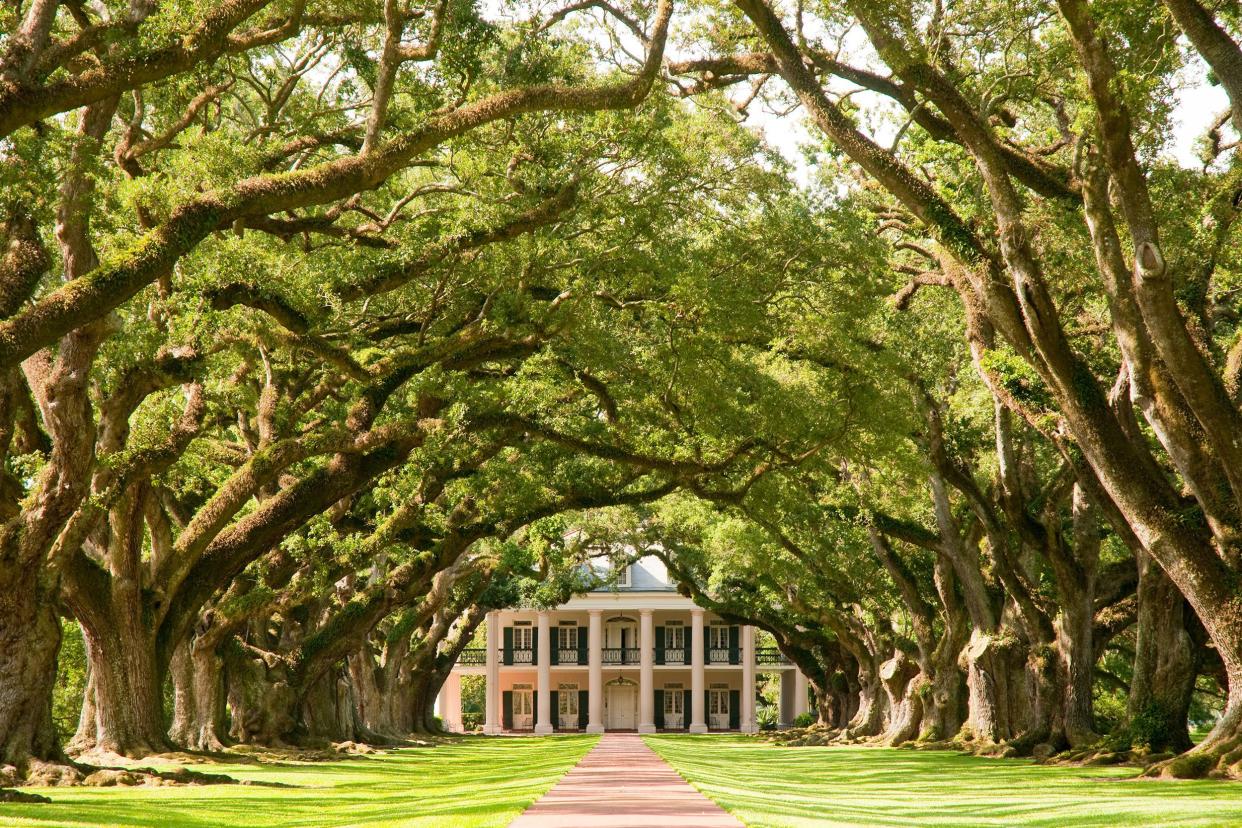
[
  {"x": 523, "y": 637},
  {"x": 623, "y": 576},
  {"x": 567, "y": 637},
  {"x": 567, "y": 701},
  {"x": 718, "y": 706},
  {"x": 523, "y": 706}
]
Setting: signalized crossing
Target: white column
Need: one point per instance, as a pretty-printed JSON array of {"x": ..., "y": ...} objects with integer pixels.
[
  {"x": 787, "y": 697},
  {"x": 747, "y": 717},
  {"x": 491, "y": 718},
  {"x": 801, "y": 703},
  {"x": 595, "y": 667},
  {"x": 450, "y": 703},
  {"x": 544, "y": 685},
  {"x": 698, "y": 681},
  {"x": 646, "y": 680}
]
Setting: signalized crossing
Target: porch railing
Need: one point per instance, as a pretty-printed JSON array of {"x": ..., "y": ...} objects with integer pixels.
[
  {"x": 717, "y": 656},
  {"x": 473, "y": 656},
  {"x": 523, "y": 655},
  {"x": 770, "y": 656},
  {"x": 568, "y": 656}
]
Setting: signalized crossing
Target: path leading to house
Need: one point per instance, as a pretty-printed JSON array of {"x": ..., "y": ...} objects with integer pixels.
[{"x": 621, "y": 783}]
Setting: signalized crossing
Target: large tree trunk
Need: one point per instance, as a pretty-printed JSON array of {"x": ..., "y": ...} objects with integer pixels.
[
  {"x": 260, "y": 699},
  {"x": 29, "y": 643},
  {"x": 426, "y": 687},
  {"x": 199, "y": 711},
  {"x": 905, "y": 686},
  {"x": 998, "y": 695},
  {"x": 869, "y": 719},
  {"x": 327, "y": 711},
  {"x": 1164, "y": 668},
  {"x": 126, "y": 693},
  {"x": 1076, "y": 675},
  {"x": 381, "y": 694}
]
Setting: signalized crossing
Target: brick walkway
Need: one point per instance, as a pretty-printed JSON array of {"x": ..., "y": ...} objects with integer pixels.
[{"x": 621, "y": 783}]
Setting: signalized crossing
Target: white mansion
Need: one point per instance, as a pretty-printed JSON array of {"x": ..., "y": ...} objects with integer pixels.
[{"x": 635, "y": 655}]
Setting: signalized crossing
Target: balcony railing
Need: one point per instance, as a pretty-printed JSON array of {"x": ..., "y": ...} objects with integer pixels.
[
  {"x": 621, "y": 655},
  {"x": 764, "y": 656},
  {"x": 770, "y": 656},
  {"x": 675, "y": 655}
]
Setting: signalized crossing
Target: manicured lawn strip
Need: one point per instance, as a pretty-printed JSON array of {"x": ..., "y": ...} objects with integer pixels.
[
  {"x": 475, "y": 782},
  {"x": 764, "y": 785}
]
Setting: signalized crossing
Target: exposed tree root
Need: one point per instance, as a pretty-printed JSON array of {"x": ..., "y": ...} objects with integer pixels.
[{"x": 1221, "y": 759}]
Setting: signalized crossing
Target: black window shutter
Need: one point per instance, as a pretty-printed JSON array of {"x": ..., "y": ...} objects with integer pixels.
[
  {"x": 659, "y": 709},
  {"x": 659, "y": 648},
  {"x": 584, "y": 709},
  {"x": 735, "y": 708},
  {"x": 508, "y": 645},
  {"x": 507, "y": 708},
  {"x": 582, "y": 645},
  {"x": 735, "y": 634},
  {"x": 534, "y": 648},
  {"x": 707, "y": 645},
  {"x": 556, "y": 710},
  {"x": 534, "y": 707},
  {"x": 556, "y": 646},
  {"x": 685, "y": 709},
  {"x": 707, "y": 708}
]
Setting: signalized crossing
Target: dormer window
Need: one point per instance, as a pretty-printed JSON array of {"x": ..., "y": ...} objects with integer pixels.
[{"x": 623, "y": 577}]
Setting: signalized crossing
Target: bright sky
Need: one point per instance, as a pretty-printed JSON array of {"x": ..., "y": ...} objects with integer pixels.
[{"x": 1199, "y": 103}]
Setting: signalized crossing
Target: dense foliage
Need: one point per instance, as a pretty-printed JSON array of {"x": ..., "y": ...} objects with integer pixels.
[{"x": 329, "y": 328}]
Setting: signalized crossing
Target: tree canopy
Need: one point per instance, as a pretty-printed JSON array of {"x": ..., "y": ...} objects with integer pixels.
[{"x": 328, "y": 328}]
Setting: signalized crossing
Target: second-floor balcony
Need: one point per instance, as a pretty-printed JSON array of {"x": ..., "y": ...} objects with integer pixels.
[
  {"x": 473, "y": 656},
  {"x": 674, "y": 655},
  {"x": 621, "y": 655},
  {"x": 769, "y": 656},
  {"x": 764, "y": 656}
]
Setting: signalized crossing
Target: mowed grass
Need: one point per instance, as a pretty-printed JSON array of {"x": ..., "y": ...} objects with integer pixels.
[
  {"x": 472, "y": 782},
  {"x": 765, "y": 785}
]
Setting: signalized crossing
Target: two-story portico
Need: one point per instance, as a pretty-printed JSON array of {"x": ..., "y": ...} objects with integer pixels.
[{"x": 633, "y": 656}]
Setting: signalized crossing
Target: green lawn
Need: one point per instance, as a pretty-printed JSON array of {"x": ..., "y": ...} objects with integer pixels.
[
  {"x": 474, "y": 782},
  {"x": 764, "y": 785}
]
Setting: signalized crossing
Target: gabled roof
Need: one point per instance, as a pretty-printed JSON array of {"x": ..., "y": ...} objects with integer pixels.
[{"x": 647, "y": 574}]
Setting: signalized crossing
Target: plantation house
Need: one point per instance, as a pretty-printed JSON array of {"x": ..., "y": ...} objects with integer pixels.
[{"x": 634, "y": 655}]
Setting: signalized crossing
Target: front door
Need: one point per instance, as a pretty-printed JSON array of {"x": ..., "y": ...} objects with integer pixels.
[
  {"x": 622, "y": 708},
  {"x": 718, "y": 709},
  {"x": 523, "y": 710}
]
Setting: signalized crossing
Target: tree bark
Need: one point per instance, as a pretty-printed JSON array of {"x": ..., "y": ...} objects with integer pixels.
[
  {"x": 905, "y": 686},
  {"x": 199, "y": 711},
  {"x": 30, "y": 636},
  {"x": 1164, "y": 669},
  {"x": 260, "y": 699},
  {"x": 126, "y": 693}
]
